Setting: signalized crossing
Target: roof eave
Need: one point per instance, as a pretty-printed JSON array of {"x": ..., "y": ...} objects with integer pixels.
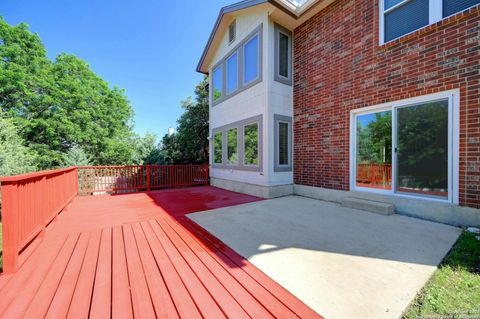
[{"x": 232, "y": 8}]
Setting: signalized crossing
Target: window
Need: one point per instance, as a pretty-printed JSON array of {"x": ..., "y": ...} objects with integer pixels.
[
  {"x": 283, "y": 143},
  {"x": 404, "y": 17},
  {"x": 374, "y": 150},
  {"x": 251, "y": 144},
  {"x": 453, "y": 6},
  {"x": 422, "y": 149},
  {"x": 251, "y": 60},
  {"x": 232, "y": 32},
  {"x": 232, "y": 146},
  {"x": 232, "y": 73},
  {"x": 408, "y": 147},
  {"x": 242, "y": 145},
  {"x": 217, "y": 148},
  {"x": 218, "y": 83},
  {"x": 400, "y": 17},
  {"x": 283, "y": 55},
  {"x": 227, "y": 79}
]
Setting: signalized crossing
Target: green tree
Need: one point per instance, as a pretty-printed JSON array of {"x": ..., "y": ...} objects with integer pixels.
[
  {"x": 15, "y": 158},
  {"x": 76, "y": 156},
  {"x": 145, "y": 146},
  {"x": 190, "y": 144},
  {"x": 62, "y": 103}
]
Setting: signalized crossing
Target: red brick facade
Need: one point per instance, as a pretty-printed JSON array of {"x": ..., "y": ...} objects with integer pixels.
[{"x": 339, "y": 66}]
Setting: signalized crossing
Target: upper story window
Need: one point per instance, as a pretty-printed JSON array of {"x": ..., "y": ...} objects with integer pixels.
[
  {"x": 283, "y": 55},
  {"x": 217, "y": 83},
  {"x": 251, "y": 57},
  {"x": 232, "y": 73},
  {"x": 240, "y": 69},
  {"x": 453, "y": 6},
  {"x": 401, "y": 17},
  {"x": 232, "y": 32}
]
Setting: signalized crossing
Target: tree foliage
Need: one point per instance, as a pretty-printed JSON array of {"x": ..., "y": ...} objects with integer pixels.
[
  {"x": 15, "y": 158},
  {"x": 189, "y": 145},
  {"x": 61, "y": 104},
  {"x": 76, "y": 156}
]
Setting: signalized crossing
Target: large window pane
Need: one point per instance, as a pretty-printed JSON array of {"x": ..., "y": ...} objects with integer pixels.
[
  {"x": 453, "y": 6},
  {"x": 283, "y": 140},
  {"x": 406, "y": 18},
  {"x": 422, "y": 153},
  {"x": 283, "y": 55},
  {"x": 217, "y": 148},
  {"x": 232, "y": 146},
  {"x": 232, "y": 73},
  {"x": 251, "y": 60},
  {"x": 374, "y": 150},
  {"x": 217, "y": 83},
  {"x": 251, "y": 144}
]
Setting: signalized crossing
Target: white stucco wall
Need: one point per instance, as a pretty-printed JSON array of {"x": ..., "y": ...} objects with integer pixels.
[{"x": 265, "y": 98}]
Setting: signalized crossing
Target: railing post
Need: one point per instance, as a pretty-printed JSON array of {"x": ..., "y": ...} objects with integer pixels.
[
  {"x": 9, "y": 210},
  {"x": 148, "y": 177},
  {"x": 76, "y": 180}
]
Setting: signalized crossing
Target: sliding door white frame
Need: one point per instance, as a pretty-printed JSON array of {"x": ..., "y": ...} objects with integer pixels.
[{"x": 453, "y": 97}]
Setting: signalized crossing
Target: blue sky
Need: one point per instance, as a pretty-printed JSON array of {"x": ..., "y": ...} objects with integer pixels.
[{"x": 150, "y": 48}]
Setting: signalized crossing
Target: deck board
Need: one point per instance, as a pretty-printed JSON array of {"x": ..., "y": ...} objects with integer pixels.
[
  {"x": 162, "y": 302},
  {"x": 80, "y": 303},
  {"x": 138, "y": 256},
  {"x": 121, "y": 300}
]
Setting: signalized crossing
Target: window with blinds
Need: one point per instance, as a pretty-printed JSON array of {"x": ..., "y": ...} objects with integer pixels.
[
  {"x": 401, "y": 17},
  {"x": 283, "y": 139}
]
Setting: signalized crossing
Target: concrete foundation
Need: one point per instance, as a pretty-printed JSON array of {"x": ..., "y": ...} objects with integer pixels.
[
  {"x": 421, "y": 208},
  {"x": 251, "y": 189}
]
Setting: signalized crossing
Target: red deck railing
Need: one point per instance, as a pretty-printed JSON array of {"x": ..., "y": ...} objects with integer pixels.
[
  {"x": 31, "y": 201},
  {"x": 376, "y": 174},
  {"x": 122, "y": 179}
]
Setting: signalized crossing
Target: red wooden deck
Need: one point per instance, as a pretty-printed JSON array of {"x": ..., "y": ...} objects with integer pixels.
[{"x": 138, "y": 256}]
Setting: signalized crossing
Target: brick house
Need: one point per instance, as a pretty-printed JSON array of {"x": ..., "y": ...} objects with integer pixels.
[{"x": 376, "y": 101}]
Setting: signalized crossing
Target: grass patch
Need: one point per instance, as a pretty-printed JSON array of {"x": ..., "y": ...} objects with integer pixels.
[{"x": 454, "y": 289}]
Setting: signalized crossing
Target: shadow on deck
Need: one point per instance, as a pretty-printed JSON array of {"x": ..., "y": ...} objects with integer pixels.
[{"x": 137, "y": 255}]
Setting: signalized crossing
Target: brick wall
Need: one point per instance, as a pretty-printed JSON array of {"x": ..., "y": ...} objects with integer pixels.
[{"x": 339, "y": 66}]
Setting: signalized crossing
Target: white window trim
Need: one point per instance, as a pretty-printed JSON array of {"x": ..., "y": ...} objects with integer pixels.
[
  {"x": 435, "y": 12},
  {"x": 454, "y": 142}
]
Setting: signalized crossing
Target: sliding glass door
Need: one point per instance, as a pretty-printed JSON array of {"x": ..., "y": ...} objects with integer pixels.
[
  {"x": 404, "y": 149},
  {"x": 374, "y": 150},
  {"x": 423, "y": 149}
]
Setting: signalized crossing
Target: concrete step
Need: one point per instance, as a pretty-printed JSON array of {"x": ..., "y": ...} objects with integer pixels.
[{"x": 369, "y": 205}]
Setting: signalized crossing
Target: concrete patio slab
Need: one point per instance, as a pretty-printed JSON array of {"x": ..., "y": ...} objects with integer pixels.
[{"x": 342, "y": 262}]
